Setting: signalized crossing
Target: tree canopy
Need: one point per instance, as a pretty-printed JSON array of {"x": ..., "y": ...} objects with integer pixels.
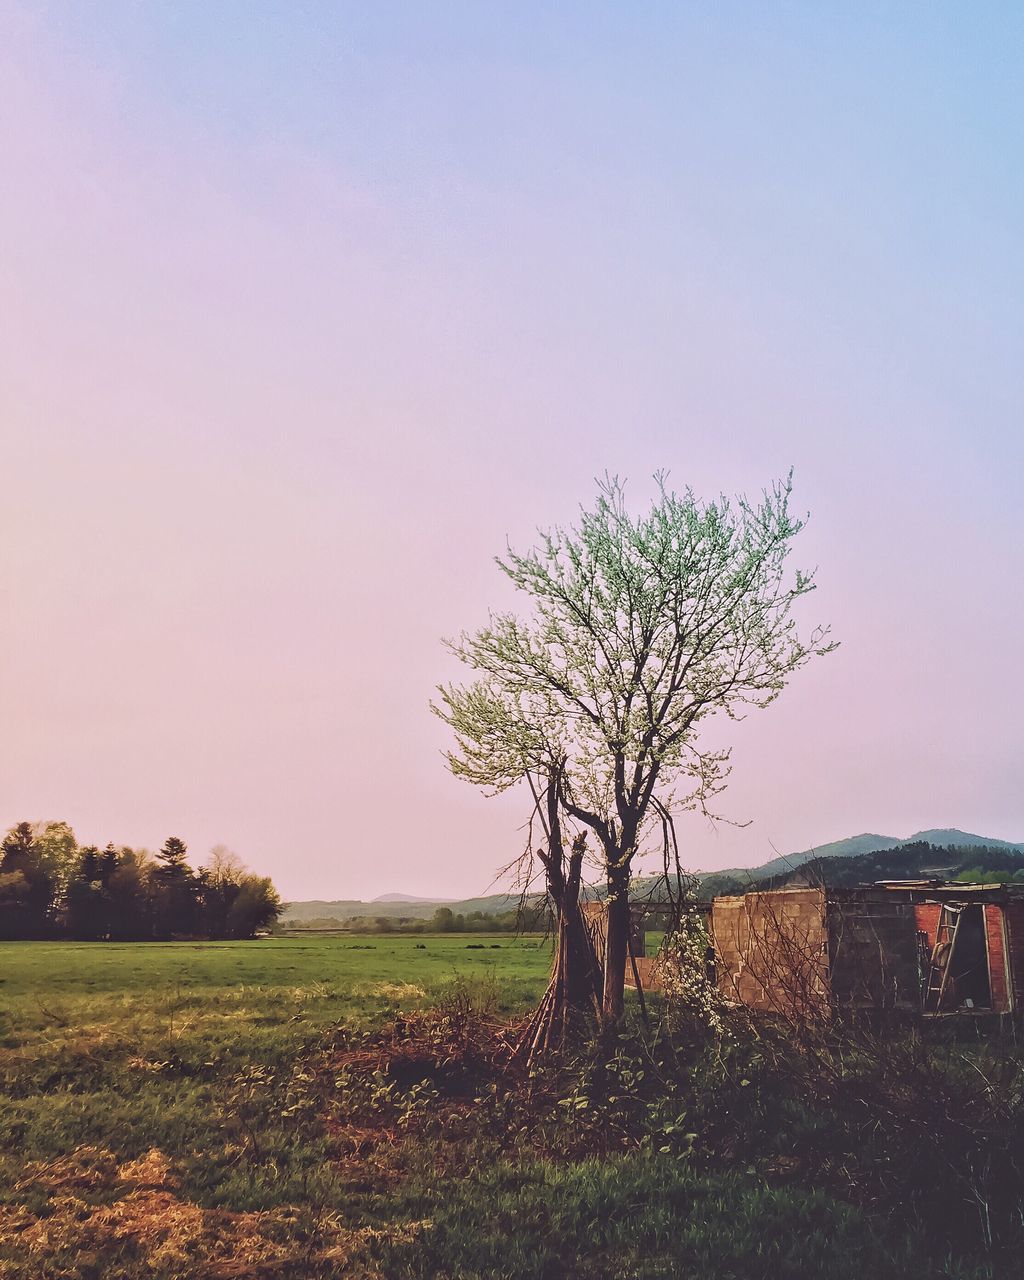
[{"x": 637, "y": 630}]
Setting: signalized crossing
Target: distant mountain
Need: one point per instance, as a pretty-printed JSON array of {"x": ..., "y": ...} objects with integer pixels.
[
  {"x": 848, "y": 848},
  {"x": 734, "y": 880},
  {"x": 394, "y": 907},
  {"x": 852, "y": 847},
  {"x": 951, "y": 838},
  {"x": 915, "y": 860},
  {"x": 406, "y": 897}
]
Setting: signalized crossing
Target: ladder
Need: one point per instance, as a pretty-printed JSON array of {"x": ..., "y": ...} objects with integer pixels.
[{"x": 942, "y": 955}]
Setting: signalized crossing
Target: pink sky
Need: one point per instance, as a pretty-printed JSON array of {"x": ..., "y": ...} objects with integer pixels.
[{"x": 307, "y": 311}]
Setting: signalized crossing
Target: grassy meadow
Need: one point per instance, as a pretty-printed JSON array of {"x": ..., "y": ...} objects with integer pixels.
[{"x": 212, "y": 1110}]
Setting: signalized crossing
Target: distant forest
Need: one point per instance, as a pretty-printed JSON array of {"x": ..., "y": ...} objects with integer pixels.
[
  {"x": 915, "y": 860},
  {"x": 50, "y": 887}
]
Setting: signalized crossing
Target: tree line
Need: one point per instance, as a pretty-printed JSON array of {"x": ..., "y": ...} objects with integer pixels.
[
  {"x": 50, "y": 887},
  {"x": 535, "y": 918}
]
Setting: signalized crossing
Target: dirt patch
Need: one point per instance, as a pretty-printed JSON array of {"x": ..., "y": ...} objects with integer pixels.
[{"x": 453, "y": 1052}]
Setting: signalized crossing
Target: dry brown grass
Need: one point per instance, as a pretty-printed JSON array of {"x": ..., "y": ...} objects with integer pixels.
[{"x": 101, "y": 1211}]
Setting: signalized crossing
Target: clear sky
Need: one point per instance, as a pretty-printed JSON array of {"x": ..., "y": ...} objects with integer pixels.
[{"x": 308, "y": 307}]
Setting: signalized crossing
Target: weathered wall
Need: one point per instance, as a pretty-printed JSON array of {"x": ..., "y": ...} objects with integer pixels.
[
  {"x": 927, "y": 916},
  {"x": 772, "y": 950},
  {"x": 596, "y": 916},
  {"x": 646, "y": 967},
  {"x": 798, "y": 952},
  {"x": 998, "y": 973},
  {"x": 873, "y": 952}
]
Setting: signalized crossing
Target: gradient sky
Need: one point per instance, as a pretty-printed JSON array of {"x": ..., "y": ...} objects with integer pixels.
[{"x": 308, "y": 307}]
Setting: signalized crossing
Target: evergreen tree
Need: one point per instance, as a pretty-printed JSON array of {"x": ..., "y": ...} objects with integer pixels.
[
  {"x": 48, "y": 885},
  {"x": 175, "y": 891},
  {"x": 108, "y": 863},
  {"x": 86, "y": 915}
]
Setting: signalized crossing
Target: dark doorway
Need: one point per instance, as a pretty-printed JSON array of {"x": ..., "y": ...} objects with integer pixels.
[{"x": 968, "y": 965}]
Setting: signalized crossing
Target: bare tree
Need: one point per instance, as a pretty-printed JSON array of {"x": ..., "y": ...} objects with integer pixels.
[
  {"x": 639, "y": 629},
  {"x": 223, "y": 864}
]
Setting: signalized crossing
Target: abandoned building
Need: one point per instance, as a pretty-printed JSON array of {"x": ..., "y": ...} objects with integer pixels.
[
  {"x": 906, "y": 946},
  {"x": 803, "y": 952}
]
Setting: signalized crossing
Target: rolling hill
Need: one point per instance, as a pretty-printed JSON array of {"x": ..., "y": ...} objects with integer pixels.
[
  {"x": 856, "y": 846},
  {"x": 406, "y": 898},
  {"x": 392, "y": 909},
  {"x": 396, "y": 906}
]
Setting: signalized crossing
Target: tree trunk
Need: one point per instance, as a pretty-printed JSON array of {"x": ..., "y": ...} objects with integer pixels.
[
  {"x": 616, "y": 950},
  {"x": 572, "y": 998}
]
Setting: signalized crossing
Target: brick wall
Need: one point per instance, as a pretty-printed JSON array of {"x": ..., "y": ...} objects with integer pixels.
[
  {"x": 927, "y": 914},
  {"x": 997, "y": 972},
  {"x": 1014, "y": 914}
]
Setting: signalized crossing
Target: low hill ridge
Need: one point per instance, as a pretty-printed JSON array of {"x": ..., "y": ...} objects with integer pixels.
[
  {"x": 397, "y": 905},
  {"x": 408, "y": 897}
]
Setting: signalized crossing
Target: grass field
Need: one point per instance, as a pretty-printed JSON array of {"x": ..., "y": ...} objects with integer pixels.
[{"x": 171, "y": 1110}]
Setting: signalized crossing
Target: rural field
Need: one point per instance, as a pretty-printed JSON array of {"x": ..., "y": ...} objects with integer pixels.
[
  {"x": 228, "y": 1109},
  {"x": 483, "y": 482}
]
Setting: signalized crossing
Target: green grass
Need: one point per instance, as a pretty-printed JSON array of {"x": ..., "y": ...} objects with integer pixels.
[
  {"x": 165, "y": 1112},
  {"x": 640, "y": 1216},
  {"x": 72, "y": 1012},
  {"x": 73, "y": 972},
  {"x": 115, "y": 1050}
]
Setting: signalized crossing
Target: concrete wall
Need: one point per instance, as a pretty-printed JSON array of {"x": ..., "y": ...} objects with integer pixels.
[
  {"x": 873, "y": 952},
  {"x": 646, "y": 967},
  {"x": 772, "y": 951},
  {"x": 596, "y": 917}
]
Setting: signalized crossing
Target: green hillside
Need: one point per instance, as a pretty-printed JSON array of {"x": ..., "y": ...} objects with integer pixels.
[
  {"x": 913, "y": 860},
  {"x": 738, "y": 879},
  {"x": 951, "y": 838},
  {"x": 733, "y": 880},
  {"x": 848, "y": 848}
]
